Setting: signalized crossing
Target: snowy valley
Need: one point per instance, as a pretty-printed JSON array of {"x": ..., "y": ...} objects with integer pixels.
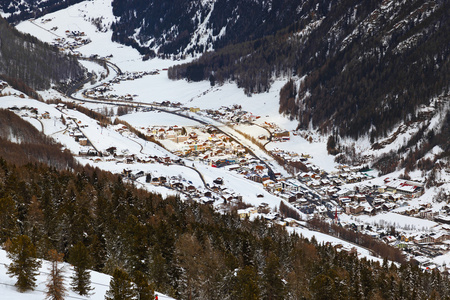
[{"x": 214, "y": 145}]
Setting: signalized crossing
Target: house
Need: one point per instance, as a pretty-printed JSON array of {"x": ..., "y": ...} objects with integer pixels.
[
  {"x": 111, "y": 150},
  {"x": 83, "y": 141},
  {"x": 254, "y": 177},
  {"x": 218, "y": 180},
  {"x": 285, "y": 135},
  {"x": 408, "y": 188},
  {"x": 247, "y": 212},
  {"x": 423, "y": 238},
  {"x": 389, "y": 239},
  {"x": 354, "y": 209},
  {"x": 191, "y": 189}
]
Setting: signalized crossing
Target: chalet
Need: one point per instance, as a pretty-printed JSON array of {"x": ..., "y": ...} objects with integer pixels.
[
  {"x": 218, "y": 180},
  {"x": 443, "y": 219},
  {"x": 83, "y": 152},
  {"x": 427, "y": 214},
  {"x": 354, "y": 209},
  {"x": 92, "y": 152},
  {"x": 344, "y": 201},
  {"x": 191, "y": 189},
  {"x": 83, "y": 141},
  {"x": 389, "y": 239},
  {"x": 284, "y": 135},
  {"x": 78, "y": 135},
  {"x": 255, "y": 177},
  {"x": 247, "y": 212},
  {"x": 405, "y": 187},
  {"x": 126, "y": 172},
  {"x": 388, "y": 206},
  {"x": 111, "y": 150},
  {"x": 423, "y": 238},
  {"x": 439, "y": 237}
]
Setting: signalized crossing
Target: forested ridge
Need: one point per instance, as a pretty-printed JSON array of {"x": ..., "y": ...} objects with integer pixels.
[
  {"x": 168, "y": 27},
  {"x": 367, "y": 64},
  {"x": 186, "y": 249},
  {"x": 17, "y": 10},
  {"x": 29, "y": 64}
]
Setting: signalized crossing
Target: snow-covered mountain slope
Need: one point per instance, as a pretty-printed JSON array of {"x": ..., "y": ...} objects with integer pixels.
[{"x": 185, "y": 26}]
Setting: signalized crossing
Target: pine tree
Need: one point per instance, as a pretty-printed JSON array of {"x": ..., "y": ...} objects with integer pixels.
[
  {"x": 8, "y": 218},
  {"x": 80, "y": 259},
  {"x": 144, "y": 290},
  {"x": 120, "y": 286},
  {"x": 55, "y": 284},
  {"x": 246, "y": 284},
  {"x": 24, "y": 265},
  {"x": 273, "y": 286}
]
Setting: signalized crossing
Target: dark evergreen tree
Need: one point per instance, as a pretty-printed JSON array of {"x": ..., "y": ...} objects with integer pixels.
[
  {"x": 24, "y": 263},
  {"x": 81, "y": 260},
  {"x": 120, "y": 286},
  {"x": 8, "y": 219},
  {"x": 246, "y": 284},
  {"x": 272, "y": 283},
  {"x": 144, "y": 290}
]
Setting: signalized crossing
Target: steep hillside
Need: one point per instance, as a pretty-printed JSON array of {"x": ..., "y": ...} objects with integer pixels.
[
  {"x": 22, "y": 143},
  {"x": 18, "y": 10},
  {"x": 27, "y": 63},
  {"x": 186, "y": 26},
  {"x": 365, "y": 65}
]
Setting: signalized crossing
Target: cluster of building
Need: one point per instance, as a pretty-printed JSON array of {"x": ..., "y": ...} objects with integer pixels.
[
  {"x": 233, "y": 114},
  {"x": 73, "y": 40},
  {"x": 203, "y": 143},
  {"x": 101, "y": 92}
]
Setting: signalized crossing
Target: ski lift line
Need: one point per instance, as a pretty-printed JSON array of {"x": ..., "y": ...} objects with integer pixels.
[{"x": 38, "y": 290}]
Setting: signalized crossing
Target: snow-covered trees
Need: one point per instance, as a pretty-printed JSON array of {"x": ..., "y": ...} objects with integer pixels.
[{"x": 24, "y": 264}]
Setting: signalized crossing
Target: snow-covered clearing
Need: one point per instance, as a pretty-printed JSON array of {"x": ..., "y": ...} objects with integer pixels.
[{"x": 99, "y": 283}]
